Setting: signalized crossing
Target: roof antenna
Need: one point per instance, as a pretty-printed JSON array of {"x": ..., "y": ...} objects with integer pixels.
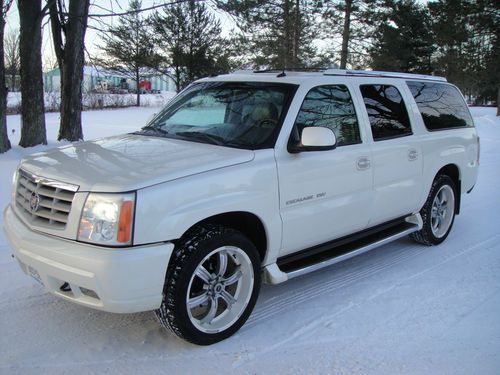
[{"x": 282, "y": 74}]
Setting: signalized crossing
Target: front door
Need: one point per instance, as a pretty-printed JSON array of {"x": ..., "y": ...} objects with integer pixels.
[{"x": 325, "y": 195}]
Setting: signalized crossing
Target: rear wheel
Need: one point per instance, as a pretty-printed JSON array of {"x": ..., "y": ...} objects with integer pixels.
[
  {"x": 211, "y": 286},
  {"x": 438, "y": 213}
]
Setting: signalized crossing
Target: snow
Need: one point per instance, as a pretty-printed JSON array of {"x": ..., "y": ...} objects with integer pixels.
[
  {"x": 401, "y": 309},
  {"x": 92, "y": 100}
]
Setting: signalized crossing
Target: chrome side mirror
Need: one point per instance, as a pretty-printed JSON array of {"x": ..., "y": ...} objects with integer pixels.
[{"x": 315, "y": 138}]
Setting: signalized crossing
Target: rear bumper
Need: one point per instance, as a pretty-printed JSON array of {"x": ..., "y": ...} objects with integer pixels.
[{"x": 115, "y": 280}]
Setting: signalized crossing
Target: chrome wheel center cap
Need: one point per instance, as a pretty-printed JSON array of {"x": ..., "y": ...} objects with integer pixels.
[{"x": 218, "y": 288}]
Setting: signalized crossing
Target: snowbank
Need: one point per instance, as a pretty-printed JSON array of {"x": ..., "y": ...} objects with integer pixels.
[{"x": 94, "y": 100}]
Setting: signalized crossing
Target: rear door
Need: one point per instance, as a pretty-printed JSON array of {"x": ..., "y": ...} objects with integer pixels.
[{"x": 396, "y": 153}]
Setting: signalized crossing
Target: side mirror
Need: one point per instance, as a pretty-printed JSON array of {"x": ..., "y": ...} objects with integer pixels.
[{"x": 315, "y": 138}]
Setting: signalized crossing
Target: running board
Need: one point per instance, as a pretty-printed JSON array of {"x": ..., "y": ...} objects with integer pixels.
[{"x": 340, "y": 250}]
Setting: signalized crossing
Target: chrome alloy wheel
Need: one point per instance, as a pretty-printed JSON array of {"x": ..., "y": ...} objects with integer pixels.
[
  {"x": 442, "y": 211},
  {"x": 220, "y": 289}
]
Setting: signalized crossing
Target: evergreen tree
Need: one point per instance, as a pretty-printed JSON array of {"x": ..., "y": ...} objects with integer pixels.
[
  {"x": 404, "y": 42},
  {"x": 129, "y": 47},
  {"x": 467, "y": 34},
  {"x": 190, "y": 39},
  {"x": 452, "y": 30},
  {"x": 354, "y": 21},
  {"x": 277, "y": 34}
]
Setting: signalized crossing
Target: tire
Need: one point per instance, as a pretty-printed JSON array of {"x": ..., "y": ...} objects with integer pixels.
[
  {"x": 211, "y": 286},
  {"x": 438, "y": 212}
]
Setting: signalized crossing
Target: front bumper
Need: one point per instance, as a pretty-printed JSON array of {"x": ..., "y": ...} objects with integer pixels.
[{"x": 122, "y": 280}]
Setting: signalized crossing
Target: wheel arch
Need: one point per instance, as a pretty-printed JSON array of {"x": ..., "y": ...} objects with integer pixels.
[
  {"x": 452, "y": 170},
  {"x": 243, "y": 221}
]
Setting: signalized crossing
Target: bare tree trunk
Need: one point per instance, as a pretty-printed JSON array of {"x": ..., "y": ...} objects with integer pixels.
[
  {"x": 346, "y": 34},
  {"x": 498, "y": 102},
  {"x": 138, "y": 99},
  {"x": 71, "y": 62},
  {"x": 287, "y": 42},
  {"x": 30, "y": 45},
  {"x": 4, "y": 136},
  {"x": 296, "y": 34}
]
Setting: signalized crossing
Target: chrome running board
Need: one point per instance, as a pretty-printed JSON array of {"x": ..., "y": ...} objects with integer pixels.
[
  {"x": 350, "y": 254},
  {"x": 294, "y": 265}
]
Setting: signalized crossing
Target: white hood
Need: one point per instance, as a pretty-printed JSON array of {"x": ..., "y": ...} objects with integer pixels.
[{"x": 129, "y": 162}]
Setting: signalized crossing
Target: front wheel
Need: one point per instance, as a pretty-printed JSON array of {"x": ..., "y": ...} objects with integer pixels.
[
  {"x": 438, "y": 212},
  {"x": 211, "y": 286}
]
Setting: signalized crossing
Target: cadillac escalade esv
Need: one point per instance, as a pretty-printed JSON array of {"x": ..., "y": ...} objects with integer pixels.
[{"x": 244, "y": 178}]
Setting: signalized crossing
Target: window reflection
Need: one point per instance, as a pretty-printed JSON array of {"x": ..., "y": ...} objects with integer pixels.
[
  {"x": 386, "y": 111},
  {"x": 330, "y": 107},
  {"x": 441, "y": 105}
]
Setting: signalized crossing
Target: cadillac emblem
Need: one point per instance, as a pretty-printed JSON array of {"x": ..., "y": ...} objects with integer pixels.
[{"x": 34, "y": 202}]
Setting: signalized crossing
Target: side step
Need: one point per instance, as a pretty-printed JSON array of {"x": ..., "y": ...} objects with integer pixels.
[{"x": 318, "y": 257}]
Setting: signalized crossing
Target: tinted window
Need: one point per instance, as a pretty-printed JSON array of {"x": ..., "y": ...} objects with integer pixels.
[
  {"x": 330, "y": 107},
  {"x": 386, "y": 111},
  {"x": 233, "y": 114},
  {"x": 442, "y": 106}
]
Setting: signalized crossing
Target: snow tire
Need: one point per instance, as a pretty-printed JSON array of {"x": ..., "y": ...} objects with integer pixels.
[
  {"x": 191, "y": 249},
  {"x": 426, "y": 236}
]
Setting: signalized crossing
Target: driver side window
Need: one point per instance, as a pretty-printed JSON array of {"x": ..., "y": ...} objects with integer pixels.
[{"x": 331, "y": 107}]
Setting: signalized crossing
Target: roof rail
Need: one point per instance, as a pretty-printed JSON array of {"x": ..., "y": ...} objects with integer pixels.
[
  {"x": 242, "y": 71},
  {"x": 374, "y": 73}
]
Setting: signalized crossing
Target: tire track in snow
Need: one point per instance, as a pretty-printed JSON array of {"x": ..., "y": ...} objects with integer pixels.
[
  {"x": 344, "y": 278},
  {"x": 326, "y": 320},
  {"x": 358, "y": 273}
]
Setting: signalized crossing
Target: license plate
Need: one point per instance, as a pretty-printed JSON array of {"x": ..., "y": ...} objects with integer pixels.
[{"x": 34, "y": 274}]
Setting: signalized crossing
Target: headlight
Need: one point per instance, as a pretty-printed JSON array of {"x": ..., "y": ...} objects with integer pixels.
[
  {"x": 107, "y": 219},
  {"x": 14, "y": 185}
]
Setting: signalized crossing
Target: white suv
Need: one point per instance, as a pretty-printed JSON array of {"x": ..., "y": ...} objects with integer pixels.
[{"x": 243, "y": 178}]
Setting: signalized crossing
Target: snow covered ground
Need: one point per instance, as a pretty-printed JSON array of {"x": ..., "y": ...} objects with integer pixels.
[
  {"x": 93, "y": 100},
  {"x": 402, "y": 309}
]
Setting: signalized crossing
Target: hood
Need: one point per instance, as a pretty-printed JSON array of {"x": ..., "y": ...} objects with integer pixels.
[{"x": 129, "y": 162}]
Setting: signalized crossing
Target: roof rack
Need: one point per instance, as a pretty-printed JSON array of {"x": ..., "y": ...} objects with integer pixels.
[{"x": 374, "y": 73}]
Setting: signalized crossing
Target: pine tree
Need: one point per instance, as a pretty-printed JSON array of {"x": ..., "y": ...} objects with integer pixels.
[
  {"x": 190, "y": 38},
  {"x": 277, "y": 34},
  {"x": 354, "y": 21},
  {"x": 129, "y": 47},
  {"x": 404, "y": 42},
  {"x": 467, "y": 34},
  {"x": 452, "y": 30}
]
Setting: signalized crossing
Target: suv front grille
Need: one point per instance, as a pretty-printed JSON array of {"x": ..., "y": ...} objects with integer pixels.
[{"x": 42, "y": 202}]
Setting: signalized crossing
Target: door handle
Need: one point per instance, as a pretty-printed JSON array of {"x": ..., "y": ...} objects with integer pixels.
[
  {"x": 412, "y": 155},
  {"x": 363, "y": 163}
]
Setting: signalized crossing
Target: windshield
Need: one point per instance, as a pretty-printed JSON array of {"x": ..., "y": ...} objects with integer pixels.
[{"x": 233, "y": 114}]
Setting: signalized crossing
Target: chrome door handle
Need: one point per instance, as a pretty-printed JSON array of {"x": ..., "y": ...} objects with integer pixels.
[
  {"x": 363, "y": 163},
  {"x": 412, "y": 155}
]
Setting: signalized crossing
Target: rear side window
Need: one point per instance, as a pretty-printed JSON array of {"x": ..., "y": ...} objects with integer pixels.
[
  {"x": 330, "y": 107},
  {"x": 386, "y": 111},
  {"x": 442, "y": 106}
]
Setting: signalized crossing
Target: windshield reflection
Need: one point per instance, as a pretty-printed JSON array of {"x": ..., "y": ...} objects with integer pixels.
[{"x": 234, "y": 114}]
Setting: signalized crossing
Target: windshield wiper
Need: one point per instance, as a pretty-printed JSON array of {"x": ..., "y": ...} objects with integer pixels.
[
  {"x": 201, "y": 136},
  {"x": 152, "y": 130}
]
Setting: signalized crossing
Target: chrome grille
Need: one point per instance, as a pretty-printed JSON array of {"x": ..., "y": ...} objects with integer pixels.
[{"x": 43, "y": 202}]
